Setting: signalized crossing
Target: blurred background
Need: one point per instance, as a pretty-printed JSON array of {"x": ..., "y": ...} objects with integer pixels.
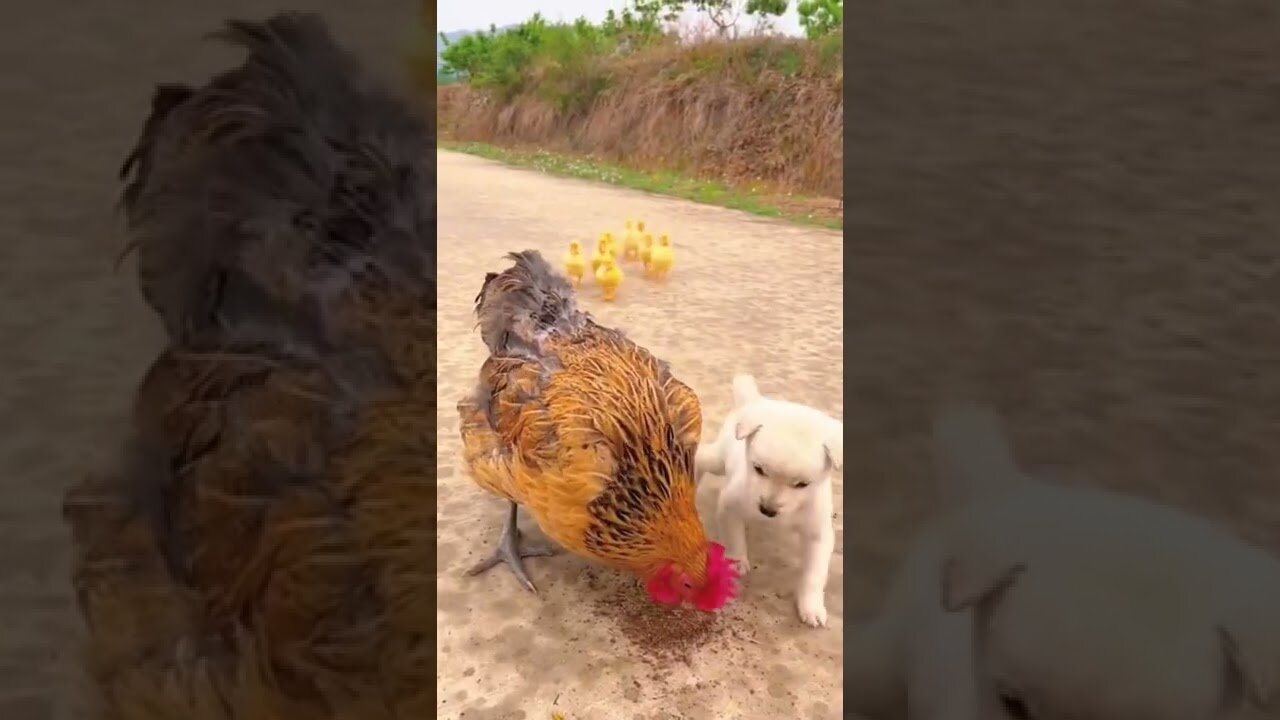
[
  {"x": 78, "y": 337},
  {"x": 1069, "y": 211}
]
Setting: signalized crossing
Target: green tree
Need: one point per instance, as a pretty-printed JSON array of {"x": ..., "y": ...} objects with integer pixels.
[
  {"x": 724, "y": 14},
  {"x": 766, "y": 7},
  {"x": 466, "y": 55},
  {"x": 821, "y": 17},
  {"x": 641, "y": 20}
]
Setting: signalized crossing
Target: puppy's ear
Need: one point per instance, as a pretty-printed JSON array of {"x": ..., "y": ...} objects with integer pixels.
[
  {"x": 747, "y": 424},
  {"x": 834, "y": 447},
  {"x": 970, "y": 579},
  {"x": 1247, "y": 667},
  {"x": 745, "y": 428}
]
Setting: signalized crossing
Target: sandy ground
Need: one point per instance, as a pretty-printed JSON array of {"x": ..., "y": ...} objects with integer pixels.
[
  {"x": 746, "y": 295},
  {"x": 76, "y": 336}
]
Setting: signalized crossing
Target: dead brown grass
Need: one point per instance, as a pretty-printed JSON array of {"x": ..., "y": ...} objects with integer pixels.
[{"x": 762, "y": 110}]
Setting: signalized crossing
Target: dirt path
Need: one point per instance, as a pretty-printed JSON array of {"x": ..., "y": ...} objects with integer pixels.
[
  {"x": 741, "y": 286},
  {"x": 76, "y": 337}
]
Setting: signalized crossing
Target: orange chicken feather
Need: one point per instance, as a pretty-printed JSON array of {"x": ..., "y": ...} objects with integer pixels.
[
  {"x": 593, "y": 435},
  {"x": 263, "y": 547}
]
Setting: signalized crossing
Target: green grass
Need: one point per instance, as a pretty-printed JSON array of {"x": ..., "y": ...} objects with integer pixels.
[{"x": 798, "y": 209}]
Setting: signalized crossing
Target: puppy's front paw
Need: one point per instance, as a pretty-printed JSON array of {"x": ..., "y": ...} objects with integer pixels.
[
  {"x": 742, "y": 563},
  {"x": 812, "y": 610}
]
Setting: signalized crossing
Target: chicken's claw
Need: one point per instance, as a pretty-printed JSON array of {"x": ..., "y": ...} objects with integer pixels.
[{"x": 512, "y": 552}]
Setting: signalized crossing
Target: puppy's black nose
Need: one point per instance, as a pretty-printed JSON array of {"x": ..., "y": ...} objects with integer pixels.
[{"x": 767, "y": 511}]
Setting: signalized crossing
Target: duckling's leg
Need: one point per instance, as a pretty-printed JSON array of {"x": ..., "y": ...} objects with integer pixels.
[{"x": 512, "y": 552}]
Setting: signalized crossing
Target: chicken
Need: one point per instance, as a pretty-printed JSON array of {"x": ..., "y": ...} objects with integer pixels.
[
  {"x": 262, "y": 547},
  {"x": 661, "y": 258},
  {"x": 610, "y": 277},
  {"x": 575, "y": 264},
  {"x": 593, "y": 435}
]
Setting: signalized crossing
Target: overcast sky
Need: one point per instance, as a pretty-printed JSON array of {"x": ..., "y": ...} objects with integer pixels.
[{"x": 453, "y": 15}]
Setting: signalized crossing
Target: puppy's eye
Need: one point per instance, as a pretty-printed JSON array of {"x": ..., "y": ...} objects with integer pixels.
[
  {"x": 759, "y": 470},
  {"x": 1014, "y": 706},
  {"x": 802, "y": 484}
]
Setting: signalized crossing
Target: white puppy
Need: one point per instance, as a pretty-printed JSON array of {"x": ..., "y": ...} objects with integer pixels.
[
  {"x": 1028, "y": 599},
  {"x": 779, "y": 458}
]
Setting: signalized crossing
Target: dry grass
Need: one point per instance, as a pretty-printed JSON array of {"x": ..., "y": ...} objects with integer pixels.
[{"x": 762, "y": 111}]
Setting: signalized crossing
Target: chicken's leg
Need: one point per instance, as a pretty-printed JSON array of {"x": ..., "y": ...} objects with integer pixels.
[{"x": 512, "y": 552}]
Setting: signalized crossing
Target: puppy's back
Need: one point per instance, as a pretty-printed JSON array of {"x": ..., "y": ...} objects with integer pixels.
[{"x": 1118, "y": 582}]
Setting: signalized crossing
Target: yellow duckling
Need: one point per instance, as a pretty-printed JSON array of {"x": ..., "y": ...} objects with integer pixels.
[
  {"x": 610, "y": 277},
  {"x": 631, "y": 243},
  {"x": 647, "y": 252},
  {"x": 629, "y": 232},
  {"x": 662, "y": 258},
  {"x": 575, "y": 263},
  {"x": 603, "y": 249},
  {"x": 608, "y": 240}
]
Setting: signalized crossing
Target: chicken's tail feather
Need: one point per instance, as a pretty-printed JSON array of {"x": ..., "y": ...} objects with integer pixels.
[
  {"x": 262, "y": 195},
  {"x": 522, "y": 304},
  {"x": 133, "y": 170},
  {"x": 298, "y": 53}
]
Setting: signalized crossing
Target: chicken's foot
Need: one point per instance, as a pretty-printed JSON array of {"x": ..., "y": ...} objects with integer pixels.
[{"x": 512, "y": 552}]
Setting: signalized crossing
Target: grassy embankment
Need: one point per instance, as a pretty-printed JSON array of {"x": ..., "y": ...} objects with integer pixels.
[{"x": 754, "y": 124}]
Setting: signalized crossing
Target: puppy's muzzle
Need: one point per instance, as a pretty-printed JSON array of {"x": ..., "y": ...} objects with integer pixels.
[{"x": 768, "y": 511}]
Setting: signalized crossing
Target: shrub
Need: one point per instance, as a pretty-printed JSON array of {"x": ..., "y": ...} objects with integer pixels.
[
  {"x": 821, "y": 17},
  {"x": 561, "y": 62}
]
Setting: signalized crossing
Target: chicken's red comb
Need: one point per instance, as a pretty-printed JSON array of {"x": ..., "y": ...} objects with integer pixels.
[
  {"x": 722, "y": 581},
  {"x": 660, "y": 589}
]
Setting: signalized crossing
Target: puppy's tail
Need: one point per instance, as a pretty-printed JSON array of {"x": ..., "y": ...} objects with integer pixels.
[
  {"x": 745, "y": 390},
  {"x": 972, "y": 454},
  {"x": 708, "y": 460}
]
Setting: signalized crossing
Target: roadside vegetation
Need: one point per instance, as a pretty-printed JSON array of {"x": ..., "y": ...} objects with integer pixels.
[{"x": 665, "y": 88}]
